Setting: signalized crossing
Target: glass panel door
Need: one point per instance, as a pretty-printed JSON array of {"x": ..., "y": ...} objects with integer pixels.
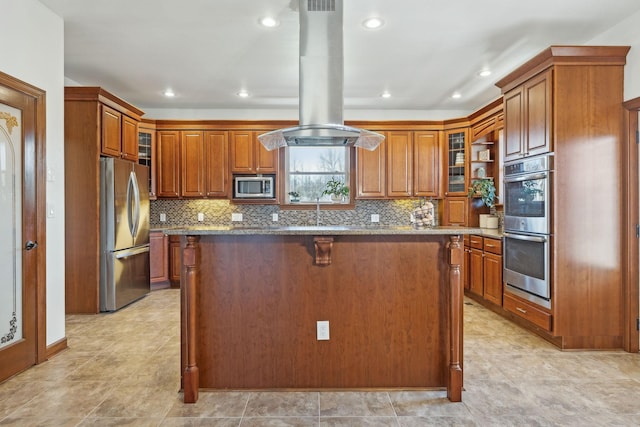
[{"x": 10, "y": 226}]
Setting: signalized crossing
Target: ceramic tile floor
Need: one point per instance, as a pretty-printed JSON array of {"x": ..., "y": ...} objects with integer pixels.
[{"x": 122, "y": 369}]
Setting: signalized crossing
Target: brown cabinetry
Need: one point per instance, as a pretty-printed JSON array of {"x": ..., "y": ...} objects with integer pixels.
[
  {"x": 175, "y": 260},
  {"x": 159, "y": 259},
  {"x": 528, "y": 108},
  {"x": 119, "y": 134},
  {"x": 568, "y": 100},
  {"x": 93, "y": 128},
  {"x": 192, "y": 163},
  {"x": 455, "y": 210},
  {"x": 147, "y": 154},
  {"x": 484, "y": 268},
  {"x": 168, "y": 163},
  {"x": 406, "y": 164},
  {"x": 248, "y": 155}
]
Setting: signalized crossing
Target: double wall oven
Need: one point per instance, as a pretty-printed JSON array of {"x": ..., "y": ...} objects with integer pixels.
[{"x": 528, "y": 233}]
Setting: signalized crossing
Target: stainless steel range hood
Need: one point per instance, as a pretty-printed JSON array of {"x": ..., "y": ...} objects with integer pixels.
[{"x": 321, "y": 85}]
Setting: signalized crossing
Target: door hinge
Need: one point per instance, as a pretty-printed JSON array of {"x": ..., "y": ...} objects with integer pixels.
[
  {"x": 638, "y": 324},
  {"x": 637, "y": 231},
  {"x": 638, "y": 137}
]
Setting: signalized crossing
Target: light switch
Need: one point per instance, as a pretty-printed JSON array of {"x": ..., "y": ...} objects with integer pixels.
[
  {"x": 200, "y": 216},
  {"x": 236, "y": 217},
  {"x": 163, "y": 217},
  {"x": 375, "y": 218},
  {"x": 322, "y": 330},
  {"x": 274, "y": 217}
]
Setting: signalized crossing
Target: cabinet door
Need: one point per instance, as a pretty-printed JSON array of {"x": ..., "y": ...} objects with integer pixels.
[
  {"x": 426, "y": 164},
  {"x": 242, "y": 152},
  {"x": 476, "y": 276},
  {"x": 147, "y": 153},
  {"x": 514, "y": 124},
  {"x": 266, "y": 161},
  {"x": 455, "y": 211},
  {"x": 129, "y": 139},
  {"x": 192, "y": 164},
  {"x": 538, "y": 110},
  {"x": 456, "y": 162},
  {"x": 216, "y": 161},
  {"x": 399, "y": 164},
  {"x": 111, "y": 132},
  {"x": 492, "y": 271},
  {"x": 371, "y": 170},
  {"x": 158, "y": 257},
  {"x": 467, "y": 268},
  {"x": 168, "y": 164},
  {"x": 175, "y": 260}
]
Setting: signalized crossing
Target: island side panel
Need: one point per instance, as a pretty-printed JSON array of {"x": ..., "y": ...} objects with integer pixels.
[{"x": 385, "y": 297}]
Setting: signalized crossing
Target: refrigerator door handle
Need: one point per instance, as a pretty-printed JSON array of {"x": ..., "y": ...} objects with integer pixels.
[
  {"x": 132, "y": 252},
  {"x": 133, "y": 204}
]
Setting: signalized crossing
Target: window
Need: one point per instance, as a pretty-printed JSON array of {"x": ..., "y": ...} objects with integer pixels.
[{"x": 309, "y": 168}]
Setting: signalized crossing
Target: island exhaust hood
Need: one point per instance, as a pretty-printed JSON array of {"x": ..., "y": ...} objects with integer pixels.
[{"x": 321, "y": 85}]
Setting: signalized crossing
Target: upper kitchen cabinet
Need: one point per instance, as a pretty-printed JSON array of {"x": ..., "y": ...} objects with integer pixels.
[
  {"x": 95, "y": 124},
  {"x": 528, "y": 108},
  {"x": 118, "y": 120},
  {"x": 486, "y": 136},
  {"x": 203, "y": 166},
  {"x": 249, "y": 156},
  {"x": 168, "y": 163},
  {"x": 406, "y": 164},
  {"x": 456, "y": 162},
  {"x": 147, "y": 153}
]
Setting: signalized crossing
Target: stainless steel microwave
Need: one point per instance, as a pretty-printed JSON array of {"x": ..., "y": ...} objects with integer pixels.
[{"x": 254, "y": 186}]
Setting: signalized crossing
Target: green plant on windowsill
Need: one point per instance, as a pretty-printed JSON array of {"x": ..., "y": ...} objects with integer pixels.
[
  {"x": 484, "y": 189},
  {"x": 336, "y": 189},
  {"x": 294, "y": 196}
]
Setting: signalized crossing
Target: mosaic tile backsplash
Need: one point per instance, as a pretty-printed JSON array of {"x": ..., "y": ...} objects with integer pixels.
[{"x": 180, "y": 213}]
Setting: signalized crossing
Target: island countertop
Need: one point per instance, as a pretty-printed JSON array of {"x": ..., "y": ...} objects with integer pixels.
[{"x": 328, "y": 230}]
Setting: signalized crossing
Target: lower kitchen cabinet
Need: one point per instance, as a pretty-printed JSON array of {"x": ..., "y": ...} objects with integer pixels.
[
  {"x": 175, "y": 261},
  {"x": 484, "y": 268},
  {"x": 159, "y": 259}
]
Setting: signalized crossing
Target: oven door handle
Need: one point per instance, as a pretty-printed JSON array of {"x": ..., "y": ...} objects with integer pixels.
[
  {"x": 542, "y": 175},
  {"x": 539, "y": 239}
]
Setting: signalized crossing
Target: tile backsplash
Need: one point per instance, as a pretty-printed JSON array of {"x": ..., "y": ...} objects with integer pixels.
[{"x": 181, "y": 213}]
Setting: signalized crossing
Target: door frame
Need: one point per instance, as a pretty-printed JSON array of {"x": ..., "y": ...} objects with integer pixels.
[
  {"x": 630, "y": 176},
  {"x": 35, "y": 134}
]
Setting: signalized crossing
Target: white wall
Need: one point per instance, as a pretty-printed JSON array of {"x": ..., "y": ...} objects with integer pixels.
[
  {"x": 33, "y": 51},
  {"x": 626, "y": 33}
]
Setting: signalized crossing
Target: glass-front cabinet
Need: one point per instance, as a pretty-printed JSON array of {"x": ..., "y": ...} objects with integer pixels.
[{"x": 456, "y": 179}]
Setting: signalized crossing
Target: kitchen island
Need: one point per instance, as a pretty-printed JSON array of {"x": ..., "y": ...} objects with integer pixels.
[{"x": 252, "y": 297}]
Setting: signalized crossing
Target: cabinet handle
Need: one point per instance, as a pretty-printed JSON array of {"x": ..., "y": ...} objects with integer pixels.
[
  {"x": 521, "y": 310},
  {"x": 489, "y": 245}
]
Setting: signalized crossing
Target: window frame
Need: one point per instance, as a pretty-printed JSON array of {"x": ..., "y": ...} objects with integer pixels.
[{"x": 283, "y": 177}]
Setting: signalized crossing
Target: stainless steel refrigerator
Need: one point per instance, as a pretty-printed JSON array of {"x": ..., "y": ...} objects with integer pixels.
[{"x": 124, "y": 233}]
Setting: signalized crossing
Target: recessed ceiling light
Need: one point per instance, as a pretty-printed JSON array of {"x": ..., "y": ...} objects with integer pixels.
[
  {"x": 385, "y": 94},
  {"x": 243, "y": 93},
  {"x": 269, "y": 22},
  {"x": 485, "y": 73},
  {"x": 456, "y": 95},
  {"x": 372, "y": 23},
  {"x": 169, "y": 93}
]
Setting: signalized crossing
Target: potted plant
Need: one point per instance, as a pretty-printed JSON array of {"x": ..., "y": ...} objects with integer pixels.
[
  {"x": 336, "y": 189},
  {"x": 294, "y": 196},
  {"x": 484, "y": 189}
]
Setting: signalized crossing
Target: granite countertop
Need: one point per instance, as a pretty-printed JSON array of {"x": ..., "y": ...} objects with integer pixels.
[{"x": 332, "y": 230}]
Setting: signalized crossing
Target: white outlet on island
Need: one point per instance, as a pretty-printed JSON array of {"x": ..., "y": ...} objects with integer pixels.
[
  {"x": 322, "y": 330},
  {"x": 236, "y": 217}
]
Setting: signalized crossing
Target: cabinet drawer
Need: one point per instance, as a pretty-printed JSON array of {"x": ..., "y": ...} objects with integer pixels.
[
  {"x": 527, "y": 311},
  {"x": 493, "y": 246},
  {"x": 475, "y": 242}
]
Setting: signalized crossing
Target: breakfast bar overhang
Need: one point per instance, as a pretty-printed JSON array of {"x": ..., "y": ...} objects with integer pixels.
[{"x": 251, "y": 300}]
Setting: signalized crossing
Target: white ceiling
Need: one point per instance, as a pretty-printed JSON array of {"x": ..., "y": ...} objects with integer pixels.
[{"x": 207, "y": 50}]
